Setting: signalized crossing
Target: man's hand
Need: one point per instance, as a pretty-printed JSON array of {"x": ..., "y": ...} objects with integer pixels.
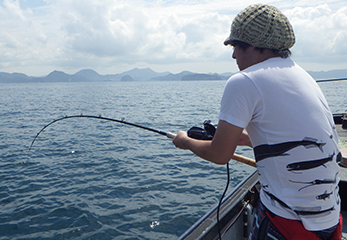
[
  {"x": 180, "y": 140},
  {"x": 218, "y": 150},
  {"x": 244, "y": 139}
]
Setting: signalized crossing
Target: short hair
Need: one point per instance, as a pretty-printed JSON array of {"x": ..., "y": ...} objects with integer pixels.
[{"x": 281, "y": 53}]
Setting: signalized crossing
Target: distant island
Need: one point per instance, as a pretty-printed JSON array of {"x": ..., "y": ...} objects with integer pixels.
[{"x": 137, "y": 74}]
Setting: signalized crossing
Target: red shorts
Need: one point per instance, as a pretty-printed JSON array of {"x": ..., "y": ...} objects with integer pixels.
[{"x": 269, "y": 226}]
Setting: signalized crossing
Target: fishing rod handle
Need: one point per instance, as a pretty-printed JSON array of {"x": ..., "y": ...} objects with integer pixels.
[
  {"x": 170, "y": 135},
  {"x": 242, "y": 159}
]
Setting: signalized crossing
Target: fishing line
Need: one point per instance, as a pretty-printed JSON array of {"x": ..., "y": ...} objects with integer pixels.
[
  {"x": 198, "y": 133},
  {"x": 167, "y": 134}
]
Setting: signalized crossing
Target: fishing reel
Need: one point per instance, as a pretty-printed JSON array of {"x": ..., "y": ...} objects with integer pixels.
[{"x": 205, "y": 133}]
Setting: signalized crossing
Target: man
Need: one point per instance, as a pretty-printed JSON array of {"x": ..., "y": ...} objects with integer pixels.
[{"x": 288, "y": 124}]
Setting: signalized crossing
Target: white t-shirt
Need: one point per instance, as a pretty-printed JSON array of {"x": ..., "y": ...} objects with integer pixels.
[{"x": 293, "y": 134}]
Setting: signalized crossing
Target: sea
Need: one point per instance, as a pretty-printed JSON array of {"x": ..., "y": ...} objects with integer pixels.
[{"x": 94, "y": 179}]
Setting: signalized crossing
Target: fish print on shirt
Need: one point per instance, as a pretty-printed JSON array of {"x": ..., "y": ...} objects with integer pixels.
[
  {"x": 324, "y": 196},
  {"x": 276, "y": 150},
  {"x": 266, "y": 151},
  {"x": 303, "y": 211},
  {"x": 307, "y": 165},
  {"x": 316, "y": 182}
]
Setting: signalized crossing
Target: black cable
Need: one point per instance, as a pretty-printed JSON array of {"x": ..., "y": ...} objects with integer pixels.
[{"x": 220, "y": 201}]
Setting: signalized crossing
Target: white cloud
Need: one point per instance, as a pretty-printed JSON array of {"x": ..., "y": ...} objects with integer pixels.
[
  {"x": 116, "y": 35},
  {"x": 137, "y": 31},
  {"x": 321, "y": 34}
]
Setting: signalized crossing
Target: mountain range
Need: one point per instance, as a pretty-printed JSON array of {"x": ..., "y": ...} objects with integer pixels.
[{"x": 136, "y": 74}]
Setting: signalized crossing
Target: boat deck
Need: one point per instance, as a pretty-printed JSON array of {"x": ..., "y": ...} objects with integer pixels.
[
  {"x": 342, "y": 133},
  {"x": 343, "y": 194},
  {"x": 344, "y": 228},
  {"x": 343, "y": 174}
]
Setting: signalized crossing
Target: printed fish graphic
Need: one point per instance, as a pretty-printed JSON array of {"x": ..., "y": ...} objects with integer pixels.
[
  {"x": 306, "y": 211},
  {"x": 324, "y": 196},
  {"x": 316, "y": 182},
  {"x": 307, "y": 142},
  {"x": 266, "y": 151},
  {"x": 306, "y": 165}
]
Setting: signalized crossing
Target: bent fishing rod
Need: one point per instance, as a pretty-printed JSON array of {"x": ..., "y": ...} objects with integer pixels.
[{"x": 170, "y": 135}]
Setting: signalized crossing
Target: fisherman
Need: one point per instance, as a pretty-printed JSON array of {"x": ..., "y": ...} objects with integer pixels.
[{"x": 277, "y": 108}]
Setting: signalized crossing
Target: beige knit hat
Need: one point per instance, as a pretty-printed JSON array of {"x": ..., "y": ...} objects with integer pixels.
[{"x": 262, "y": 26}]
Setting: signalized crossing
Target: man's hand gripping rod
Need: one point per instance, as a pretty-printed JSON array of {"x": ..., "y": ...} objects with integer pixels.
[{"x": 236, "y": 157}]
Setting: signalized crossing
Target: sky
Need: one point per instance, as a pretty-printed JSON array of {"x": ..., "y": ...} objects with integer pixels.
[{"x": 113, "y": 36}]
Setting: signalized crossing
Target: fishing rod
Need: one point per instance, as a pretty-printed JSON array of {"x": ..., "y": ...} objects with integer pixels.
[
  {"x": 331, "y": 80},
  {"x": 167, "y": 134},
  {"x": 195, "y": 132}
]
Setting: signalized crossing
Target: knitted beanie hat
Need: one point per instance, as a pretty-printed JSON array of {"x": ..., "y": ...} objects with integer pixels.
[{"x": 262, "y": 26}]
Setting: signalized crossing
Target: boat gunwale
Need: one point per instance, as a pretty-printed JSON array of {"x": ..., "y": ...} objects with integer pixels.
[{"x": 205, "y": 227}]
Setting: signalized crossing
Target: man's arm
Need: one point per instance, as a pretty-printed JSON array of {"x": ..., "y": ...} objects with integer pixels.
[{"x": 220, "y": 149}]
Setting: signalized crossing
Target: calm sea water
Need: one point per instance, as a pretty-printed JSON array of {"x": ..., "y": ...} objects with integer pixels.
[{"x": 93, "y": 179}]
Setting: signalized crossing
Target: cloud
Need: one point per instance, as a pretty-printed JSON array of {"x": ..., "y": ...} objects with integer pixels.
[
  {"x": 117, "y": 35},
  {"x": 138, "y": 31},
  {"x": 24, "y": 38},
  {"x": 97, "y": 29},
  {"x": 320, "y": 31}
]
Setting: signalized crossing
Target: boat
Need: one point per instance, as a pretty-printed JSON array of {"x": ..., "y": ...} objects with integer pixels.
[{"x": 236, "y": 210}]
